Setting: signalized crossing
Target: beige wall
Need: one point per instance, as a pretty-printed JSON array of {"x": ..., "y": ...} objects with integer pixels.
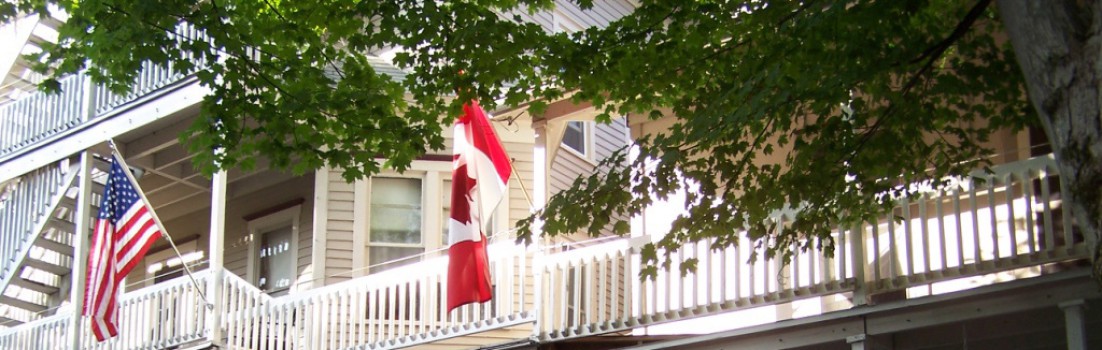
[
  {"x": 567, "y": 165},
  {"x": 237, "y": 236},
  {"x": 348, "y": 203}
]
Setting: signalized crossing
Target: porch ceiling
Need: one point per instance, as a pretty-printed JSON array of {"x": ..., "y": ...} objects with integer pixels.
[{"x": 167, "y": 176}]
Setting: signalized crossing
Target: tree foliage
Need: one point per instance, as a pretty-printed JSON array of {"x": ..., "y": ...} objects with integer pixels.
[
  {"x": 858, "y": 97},
  {"x": 850, "y": 98}
]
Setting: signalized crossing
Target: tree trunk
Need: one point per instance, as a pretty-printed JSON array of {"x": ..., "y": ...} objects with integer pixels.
[{"x": 1058, "y": 45}]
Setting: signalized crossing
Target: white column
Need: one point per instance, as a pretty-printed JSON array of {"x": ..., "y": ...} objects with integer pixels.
[
  {"x": 217, "y": 246},
  {"x": 321, "y": 224},
  {"x": 539, "y": 200},
  {"x": 1073, "y": 320},
  {"x": 80, "y": 249},
  {"x": 362, "y": 201},
  {"x": 860, "y": 265}
]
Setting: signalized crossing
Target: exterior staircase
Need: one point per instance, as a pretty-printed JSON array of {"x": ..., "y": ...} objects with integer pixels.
[
  {"x": 38, "y": 254},
  {"x": 22, "y": 36}
]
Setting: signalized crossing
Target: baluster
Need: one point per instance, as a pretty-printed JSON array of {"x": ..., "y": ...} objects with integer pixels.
[
  {"x": 924, "y": 233},
  {"x": 559, "y": 273},
  {"x": 345, "y": 310},
  {"x": 973, "y": 204},
  {"x": 587, "y": 296},
  {"x": 994, "y": 224},
  {"x": 1028, "y": 196},
  {"x": 1011, "y": 214},
  {"x": 603, "y": 287},
  {"x": 908, "y": 239},
  {"x": 1066, "y": 213},
  {"x": 893, "y": 250},
  {"x": 357, "y": 315},
  {"x": 1046, "y": 207}
]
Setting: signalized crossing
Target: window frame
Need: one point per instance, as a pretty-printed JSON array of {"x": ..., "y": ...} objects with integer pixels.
[
  {"x": 587, "y": 139},
  {"x": 433, "y": 175},
  {"x": 289, "y": 216},
  {"x": 368, "y": 244}
]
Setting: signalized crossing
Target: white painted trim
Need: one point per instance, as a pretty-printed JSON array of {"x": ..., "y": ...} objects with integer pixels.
[
  {"x": 216, "y": 250},
  {"x": 257, "y": 226},
  {"x": 432, "y": 221},
  {"x": 80, "y": 247},
  {"x": 320, "y": 229},
  {"x": 360, "y": 217},
  {"x": 1003, "y": 298},
  {"x": 92, "y": 133},
  {"x": 587, "y": 140}
]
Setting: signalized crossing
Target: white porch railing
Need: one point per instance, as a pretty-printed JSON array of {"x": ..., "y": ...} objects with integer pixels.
[
  {"x": 1008, "y": 219},
  {"x": 38, "y": 115},
  {"x": 986, "y": 224},
  {"x": 162, "y": 316},
  {"x": 158, "y": 317},
  {"x": 46, "y": 333},
  {"x": 394, "y": 308},
  {"x": 597, "y": 289},
  {"x": 1011, "y": 220},
  {"x": 24, "y": 208}
]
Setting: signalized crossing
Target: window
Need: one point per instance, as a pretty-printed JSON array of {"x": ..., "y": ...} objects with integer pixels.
[
  {"x": 576, "y": 137},
  {"x": 273, "y": 251},
  {"x": 395, "y": 228},
  {"x": 162, "y": 264},
  {"x": 407, "y": 216},
  {"x": 277, "y": 266}
]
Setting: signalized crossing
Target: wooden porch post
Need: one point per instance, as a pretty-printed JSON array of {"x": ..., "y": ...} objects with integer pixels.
[
  {"x": 1074, "y": 322},
  {"x": 539, "y": 199},
  {"x": 217, "y": 245},
  {"x": 80, "y": 249}
]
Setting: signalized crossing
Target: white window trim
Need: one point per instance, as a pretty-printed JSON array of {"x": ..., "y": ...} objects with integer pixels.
[
  {"x": 587, "y": 140},
  {"x": 256, "y": 226},
  {"x": 432, "y": 175}
]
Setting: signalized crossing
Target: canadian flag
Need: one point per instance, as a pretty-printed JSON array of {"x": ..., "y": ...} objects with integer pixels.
[{"x": 480, "y": 176}]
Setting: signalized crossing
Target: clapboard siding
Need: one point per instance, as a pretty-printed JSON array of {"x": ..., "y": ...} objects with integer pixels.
[
  {"x": 566, "y": 166},
  {"x": 341, "y": 220},
  {"x": 571, "y": 18},
  {"x": 343, "y": 224}
]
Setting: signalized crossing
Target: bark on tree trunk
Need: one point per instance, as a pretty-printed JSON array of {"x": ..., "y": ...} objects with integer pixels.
[{"x": 1059, "y": 45}]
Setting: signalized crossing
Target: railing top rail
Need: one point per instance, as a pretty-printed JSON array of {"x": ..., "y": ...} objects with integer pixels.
[
  {"x": 161, "y": 287},
  {"x": 401, "y": 274},
  {"x": 61, "y": 316}
]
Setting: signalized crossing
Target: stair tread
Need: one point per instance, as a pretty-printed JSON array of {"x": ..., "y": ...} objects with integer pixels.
[
  {"x": 47, "y": 266},
  {"x": 60, "y": 224},
  {"x": 9, "y": 322},
  {"x": 35, "y": 286},
  {"x": 22, "y": 304},
  {"x": 53, "y": 245},
  {"x": 71, "y": 203}
]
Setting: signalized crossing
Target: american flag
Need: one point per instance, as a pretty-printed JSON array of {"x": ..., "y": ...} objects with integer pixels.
[{"x": 124, "y": 231}]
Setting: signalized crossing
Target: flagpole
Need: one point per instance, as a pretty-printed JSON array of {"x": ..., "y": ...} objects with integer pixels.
[
  {"x": 156, "y": 219},
  {"x": 520, "y": 181}
]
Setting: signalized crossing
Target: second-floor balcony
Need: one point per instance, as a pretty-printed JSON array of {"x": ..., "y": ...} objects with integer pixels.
[{"x": 996, "y": 227}]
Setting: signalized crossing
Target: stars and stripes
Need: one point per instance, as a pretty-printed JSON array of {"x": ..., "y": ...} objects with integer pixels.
[{"x": 124, "y": 230}]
